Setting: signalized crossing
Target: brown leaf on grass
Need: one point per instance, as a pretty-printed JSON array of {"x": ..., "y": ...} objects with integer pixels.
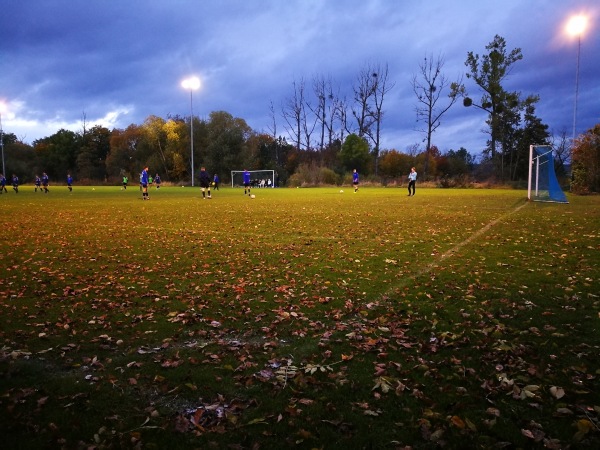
[{"x": 458, "y": 422}]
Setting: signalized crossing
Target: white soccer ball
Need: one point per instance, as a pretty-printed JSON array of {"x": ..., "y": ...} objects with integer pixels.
[
  {"x": 252, "y": 196},
  {"x": 341, "y": 191}
]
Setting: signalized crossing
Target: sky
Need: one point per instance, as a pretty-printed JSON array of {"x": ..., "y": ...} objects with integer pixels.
[{"x": 116, "y": 62}]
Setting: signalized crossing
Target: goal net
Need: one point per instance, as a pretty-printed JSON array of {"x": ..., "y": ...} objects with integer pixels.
[
  {"x": 543, "y": 185},
  {"x": 258, "y": 178}
]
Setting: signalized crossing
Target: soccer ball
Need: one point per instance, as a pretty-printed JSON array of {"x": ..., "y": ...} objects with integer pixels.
[
  {"x": 252, "y": 196},
  {"x": 341, "y": 191}
]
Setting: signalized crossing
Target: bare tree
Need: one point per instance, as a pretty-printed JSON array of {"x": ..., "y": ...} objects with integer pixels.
[
  {"x": 340, "y": 113},
  {"x": 321, "y": 91},
  {"x": 380, "y": 75},
  {"x": 364, "y": 89},
  {"x": 428, "y": 86},
  {"x": 562, "y": 152},
  {"x": 293, "y": 113}
]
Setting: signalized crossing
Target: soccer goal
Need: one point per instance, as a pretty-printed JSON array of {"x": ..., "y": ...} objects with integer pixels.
[
  {"x": 543, "y": 185},
  {"x": 258, "y": 178}
]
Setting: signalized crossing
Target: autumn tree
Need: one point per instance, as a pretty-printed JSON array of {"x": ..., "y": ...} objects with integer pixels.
[
  {"x": 586, "y": 162},
  {"x": 122, "y": 159},
  {"x": 429, "y": 86},
  {"x": 394, "y": 164}
]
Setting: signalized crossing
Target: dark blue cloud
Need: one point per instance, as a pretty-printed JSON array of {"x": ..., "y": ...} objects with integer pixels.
[{"x": 119, "y": 62}]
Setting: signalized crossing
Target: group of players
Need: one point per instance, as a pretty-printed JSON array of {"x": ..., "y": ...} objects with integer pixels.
[
  {"x": 42, "y": 183},
  {"x": 204, "y": 178},
  {"x": 145, "y": 180}
]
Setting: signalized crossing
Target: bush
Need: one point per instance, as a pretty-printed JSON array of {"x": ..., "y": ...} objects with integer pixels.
[{"x": 313, "y": 175}]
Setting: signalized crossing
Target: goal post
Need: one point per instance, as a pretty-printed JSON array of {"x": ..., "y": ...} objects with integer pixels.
[
  {"x": 258, "y": 178},
  {"x": 542, "y": 185}
]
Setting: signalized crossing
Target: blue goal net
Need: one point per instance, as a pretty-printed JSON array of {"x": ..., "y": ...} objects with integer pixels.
[{"x": 543, "y": 184}]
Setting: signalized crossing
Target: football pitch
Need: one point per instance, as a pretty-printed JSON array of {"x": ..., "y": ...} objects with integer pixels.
[{"x": 301, "y": 318}]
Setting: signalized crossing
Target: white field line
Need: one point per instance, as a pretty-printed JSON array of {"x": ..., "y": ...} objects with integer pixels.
[{"x": 429, "y": 267}]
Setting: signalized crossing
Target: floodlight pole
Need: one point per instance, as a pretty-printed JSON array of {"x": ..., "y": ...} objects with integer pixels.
[
  {"x": 576, "y": 87},
  {"x": 192, "y": 133},
  {"x": 191, "y": 84}
]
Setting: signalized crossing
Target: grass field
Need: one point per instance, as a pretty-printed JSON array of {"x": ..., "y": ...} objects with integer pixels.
[{"x": 303, "y": 318}]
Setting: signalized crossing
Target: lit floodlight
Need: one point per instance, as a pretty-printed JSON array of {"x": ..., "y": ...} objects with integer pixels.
[
  {"x": 191, "y": 83},
  {"x": 577, "y": 25}
]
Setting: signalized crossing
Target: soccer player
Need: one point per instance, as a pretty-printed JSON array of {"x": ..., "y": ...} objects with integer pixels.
[
  {"x": 355, "y": 180},
  {"x": 246, "y": 182},
  {"x": 38, "y": 183},
  {"x": 216, "y": 182},
  {"x": 204, "y": 183},
  {"x": 45, "y": 181},
  {"x": 15, "y": 183},
  {"x": 144, "y": 183},
  {"x": 412, "y": 179},
  {"x": 125, "y": 181},
  {"x": 157, "y": 181},
  {"x": 3, "y": 184},
  {"x": 70, "y": 182}
]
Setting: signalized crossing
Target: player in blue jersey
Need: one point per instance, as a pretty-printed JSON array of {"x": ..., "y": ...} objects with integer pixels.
[
  {"x": 144, "y": 183},
  {"x": 355, "y": 180},
  {"x": 216, "y": 182},
  {"x": 3, "y": 184},
  {"x": 38, "y": 183},
  {"x": 157, "y": 181},
  {"x": 247, "y": 182},
  {"x": 15, "y": 183},
  {"x": 204, "y": 183},
  {"x": 70, "y": 182},
  {"x": 45, "y": 182}
]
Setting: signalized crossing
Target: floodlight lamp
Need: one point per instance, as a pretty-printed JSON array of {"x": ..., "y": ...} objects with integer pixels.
[
  {"x": 191, "y": 83},
  {"x": 577, "y": 25}
]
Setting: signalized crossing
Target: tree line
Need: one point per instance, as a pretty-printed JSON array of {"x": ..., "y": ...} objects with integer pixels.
[{"x": 327, "y": 133}]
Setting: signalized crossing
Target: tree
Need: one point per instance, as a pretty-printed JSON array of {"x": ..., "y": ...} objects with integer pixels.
[
  {"x": 91, "y": 160},
  {"x": 227, "y": 145},
  {"x": 586, "y": 162},
  {"x": 355, "y": 153},
  {"x": 488, "y": 72},
  {"x": 394, "y": 164},
  {"x": 533, "y": 131},
  {"x": 122, "y": 159},
  {"x": 293, "y": 113},
  {"x": 428, "y": 87},
  {"x": 18, "y": 157},
  {"x": 364, "y": 89},
  {"x": 58, "y": 154},
  {"x": 562, "y": 153},
  {"x": 381, "y": 89}
]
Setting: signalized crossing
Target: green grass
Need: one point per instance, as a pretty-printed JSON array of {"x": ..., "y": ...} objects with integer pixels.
[{"x": 303, "y": 318}]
